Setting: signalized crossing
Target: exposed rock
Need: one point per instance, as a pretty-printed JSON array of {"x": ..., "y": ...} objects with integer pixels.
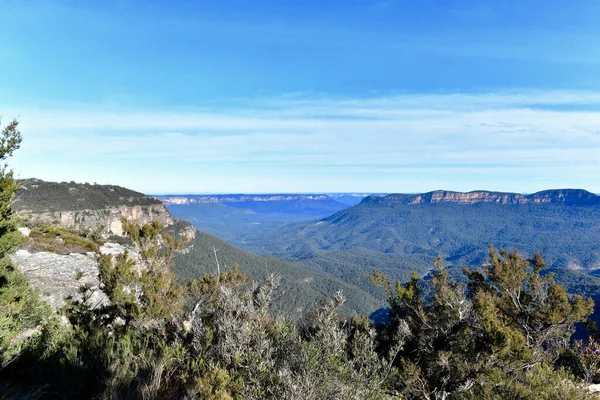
[
  {"x": 84, "y": 207},
  {"x": 187, "y": 232},
  {"x": 112, "y": 248},
  {"x": 594, "y": 388},
  {"x": 104, "y": 221},
  {"x": 27, "y": 333},
  {"x": 239, "y": 198},
  {"x": 59, "y": 276},
  {"x": 95, "y": 209},
  {"x": 557, "y": 196},
  {"x": 115, "y": 249},
  {"x": 573, "y": 266}
]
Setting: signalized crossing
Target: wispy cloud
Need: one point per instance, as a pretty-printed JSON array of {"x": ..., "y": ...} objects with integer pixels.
[{"x": 524, "y": 140}]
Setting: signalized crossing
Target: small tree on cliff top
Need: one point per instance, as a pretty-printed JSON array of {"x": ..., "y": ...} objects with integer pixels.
[
  {"x": 10, "y": 141},
  {"x": 20, "y": 306}
]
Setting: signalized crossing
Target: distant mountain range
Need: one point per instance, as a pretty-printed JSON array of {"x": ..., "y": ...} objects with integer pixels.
[
  {"x": 231, "y": 216},
  {"x": 344, "y": 198}
]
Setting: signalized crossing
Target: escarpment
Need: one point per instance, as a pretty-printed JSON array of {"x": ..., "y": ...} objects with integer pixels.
[
  {"x": 69, "y": 225},
  {"x": 84, "y": 207},
  {"x": 553, "y": 196}
]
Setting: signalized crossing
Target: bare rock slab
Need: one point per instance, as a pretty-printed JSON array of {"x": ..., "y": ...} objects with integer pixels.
[{"x": 60, "y": 276}]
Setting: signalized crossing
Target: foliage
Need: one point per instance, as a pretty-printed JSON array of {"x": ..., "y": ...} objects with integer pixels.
[
  {"x": 299, "y": 290},
  {"x": 21, "y": 310},
  {"x": 141, "y": 289},
  {"x": 540, "y": 382},
  {"x": 444, "y": 340},
  {"x": 36, "y": 195},
  {"x": 61, "y": 240},
  {"x": 10, "y": 141},
  {"x": 583, "y": 359},
  {"x": 483, "y": 339},
  {"x": 142, "y": 345}
]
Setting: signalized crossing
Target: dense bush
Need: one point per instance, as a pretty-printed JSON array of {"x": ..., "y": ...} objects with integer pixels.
[
  {"x": 500, "y": 336},
  {"x": 491, "y": 338},
  {"x": 21, "y": 310}
]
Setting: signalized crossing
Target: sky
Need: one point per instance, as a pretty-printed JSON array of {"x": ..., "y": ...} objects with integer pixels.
[{"x": 232, "y": 96}]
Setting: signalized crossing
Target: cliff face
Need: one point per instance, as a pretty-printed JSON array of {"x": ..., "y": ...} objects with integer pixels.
[
  {"x": 557, "y": 196},
  {"x": 83, "y": 207},
  {"x": 107, "y": 220},
  {"x": 98, "y": 208}
]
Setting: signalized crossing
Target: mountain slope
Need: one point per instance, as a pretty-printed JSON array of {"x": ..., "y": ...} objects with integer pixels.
[
  {"x": 400, "y": 233},
  {"x": 300, "y": 290}
]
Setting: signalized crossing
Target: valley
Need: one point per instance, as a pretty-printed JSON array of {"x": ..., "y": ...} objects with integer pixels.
[
  {"x": 401, "y": 233},
  {"x": 232, "y": 217},
  {"x": 299, "y": 200}
]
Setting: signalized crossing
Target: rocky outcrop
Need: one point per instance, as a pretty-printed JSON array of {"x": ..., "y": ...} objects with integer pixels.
[
  {"x": 105, "y": 221},
  {"x": 85, "y": 207},
  {"x": 60, "y": 276},
  {"x": 557, "y": 196}
]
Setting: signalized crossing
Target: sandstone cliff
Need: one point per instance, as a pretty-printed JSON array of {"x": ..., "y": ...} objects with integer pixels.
[
  {"x": 557, "y": 196},
  {"x": 85, "y": 207}
]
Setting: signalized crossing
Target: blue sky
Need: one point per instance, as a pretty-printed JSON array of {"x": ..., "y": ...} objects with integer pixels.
[{"x": 305, "y": 96}]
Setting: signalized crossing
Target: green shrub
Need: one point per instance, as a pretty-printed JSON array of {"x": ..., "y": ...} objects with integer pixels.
[
  {"x": 61, "y": 240},
  {"x": 21, "y": 310}
]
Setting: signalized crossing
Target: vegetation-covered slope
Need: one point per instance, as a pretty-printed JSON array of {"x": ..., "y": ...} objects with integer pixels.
[
  {"x": 299, "y": 291},
  {"x": 397, "y": 234},
  {"x": 36, "y": 195}
]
